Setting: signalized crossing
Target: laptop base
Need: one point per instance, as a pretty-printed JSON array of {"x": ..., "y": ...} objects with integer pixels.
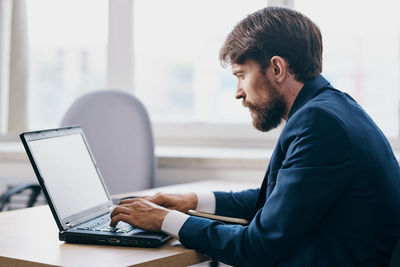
[{"x": 149, "y": 239}]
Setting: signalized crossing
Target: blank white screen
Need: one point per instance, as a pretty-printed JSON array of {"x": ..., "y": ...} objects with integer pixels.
[{"x": 69, "y": 173}]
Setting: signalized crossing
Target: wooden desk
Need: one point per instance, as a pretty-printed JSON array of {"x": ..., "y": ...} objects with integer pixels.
[{"x": 29, "y": 237}]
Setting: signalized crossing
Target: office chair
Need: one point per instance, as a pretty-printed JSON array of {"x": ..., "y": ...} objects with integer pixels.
[
  {"x": 6, "y": 197},
  {"x": 118, "y": 130}
]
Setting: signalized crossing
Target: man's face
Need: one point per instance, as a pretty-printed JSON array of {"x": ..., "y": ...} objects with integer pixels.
[{"x": 266, "y": 105}]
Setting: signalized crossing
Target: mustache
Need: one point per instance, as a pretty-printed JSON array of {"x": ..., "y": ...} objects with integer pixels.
[
  {"x": 249, "y": 105},
  {"x": 245, "y": 104}
]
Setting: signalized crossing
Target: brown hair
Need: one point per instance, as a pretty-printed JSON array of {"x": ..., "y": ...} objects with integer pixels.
[{"x": 276, "y": 31}]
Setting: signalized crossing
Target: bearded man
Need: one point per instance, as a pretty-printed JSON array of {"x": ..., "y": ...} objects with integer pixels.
[{"x": 331, "y": 193}]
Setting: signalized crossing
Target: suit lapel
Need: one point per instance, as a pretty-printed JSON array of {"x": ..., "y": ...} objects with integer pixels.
[
  {"x": 270, "y": 186},
  {"x": 309, "y": 90},
  {"x": 263, "y": 190}
]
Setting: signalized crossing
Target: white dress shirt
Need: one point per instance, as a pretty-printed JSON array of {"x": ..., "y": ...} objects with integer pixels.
[{"x": 174, "y": 220}]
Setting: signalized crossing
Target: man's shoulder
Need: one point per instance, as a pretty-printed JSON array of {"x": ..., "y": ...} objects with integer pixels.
[
  {"x": 330, "y": 107},
  {"x": 320, "y": 112},
  {"x": 331, "y": 101},
  {"x": 323, "y": 121},
  {"x": 333, "y": 118}
]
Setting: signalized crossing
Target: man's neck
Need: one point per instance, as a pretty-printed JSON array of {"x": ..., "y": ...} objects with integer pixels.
[{"x": 290, "y": 88}]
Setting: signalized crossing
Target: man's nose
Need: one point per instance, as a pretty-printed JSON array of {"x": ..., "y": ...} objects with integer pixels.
[{"x": 240, "y": 92}]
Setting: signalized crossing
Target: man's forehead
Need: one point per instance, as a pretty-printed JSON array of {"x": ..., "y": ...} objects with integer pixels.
[
  {"x": 245, "y": 66},
  {"x": 237, "y": 67}
]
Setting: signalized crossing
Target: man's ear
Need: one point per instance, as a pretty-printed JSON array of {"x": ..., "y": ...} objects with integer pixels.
[{"x": 279, "y": 68}]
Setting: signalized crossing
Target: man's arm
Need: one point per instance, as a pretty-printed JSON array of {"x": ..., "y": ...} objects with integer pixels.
[
  {"x": 314, "y": 174},
  {"x": 236, "y": 204},
  {"x": 174, "y": 220}
]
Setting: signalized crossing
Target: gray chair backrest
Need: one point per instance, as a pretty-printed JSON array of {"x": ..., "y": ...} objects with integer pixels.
[{"x": 118, "y": 130}]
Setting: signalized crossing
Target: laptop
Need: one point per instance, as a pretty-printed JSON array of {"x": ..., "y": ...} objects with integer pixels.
[{"x": 75, "y": 190}]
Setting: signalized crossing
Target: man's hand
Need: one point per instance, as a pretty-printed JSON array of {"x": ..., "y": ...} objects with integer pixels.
[
  {"x": 180, "y": 202},
  {"x": 140, "y": 213}
]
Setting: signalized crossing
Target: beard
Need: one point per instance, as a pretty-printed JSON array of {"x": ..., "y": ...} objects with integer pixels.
[{"x": 268, "y": 115}]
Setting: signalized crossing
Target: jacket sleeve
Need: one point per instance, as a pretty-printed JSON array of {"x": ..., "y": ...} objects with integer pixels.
[
  {"x": 236, "y": 204},
  {"x": 314, "y": 173}
]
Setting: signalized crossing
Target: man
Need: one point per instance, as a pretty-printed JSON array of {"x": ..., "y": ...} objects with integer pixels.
[{"x": 331, "y": 194}]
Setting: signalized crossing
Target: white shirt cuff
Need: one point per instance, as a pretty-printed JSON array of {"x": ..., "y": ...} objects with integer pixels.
[
  {"x": 173, "y": 223},
  {"x": 206, "y": 202}
]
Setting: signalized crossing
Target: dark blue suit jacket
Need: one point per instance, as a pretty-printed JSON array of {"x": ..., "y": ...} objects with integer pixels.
[{"x": 330, "y": 197}]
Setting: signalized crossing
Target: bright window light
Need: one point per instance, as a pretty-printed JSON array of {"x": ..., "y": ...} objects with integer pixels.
[
  {"x": 67, "y": 54},
  {"x": 361, "y": 53},
  {"x": 176, "y": 70}
]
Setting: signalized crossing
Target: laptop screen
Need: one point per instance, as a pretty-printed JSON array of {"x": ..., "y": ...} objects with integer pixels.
[{"x": 69, "y": 173}]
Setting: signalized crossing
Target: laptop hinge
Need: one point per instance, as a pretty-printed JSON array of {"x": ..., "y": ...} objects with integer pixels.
[{"x": 68, "y": 225}]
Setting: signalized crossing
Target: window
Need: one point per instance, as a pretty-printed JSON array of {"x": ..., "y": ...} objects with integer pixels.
[
  {"x": 176, "y": 67},
  {"x": 67, "y": 49},
  {"x": 176, "y": 71},
  {"x": 361, "y": 53},
  {"x": 179, "y": 78}
]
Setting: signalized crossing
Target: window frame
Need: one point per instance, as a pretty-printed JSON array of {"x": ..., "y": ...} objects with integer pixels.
[{"x": 120, "y": 75}]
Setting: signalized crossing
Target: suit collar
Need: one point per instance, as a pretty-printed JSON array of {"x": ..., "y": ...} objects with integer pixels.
[{"x": 309, "y": 90}]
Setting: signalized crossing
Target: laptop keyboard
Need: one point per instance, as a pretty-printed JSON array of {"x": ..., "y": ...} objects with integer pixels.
[{"x": 102, "y": 224}]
